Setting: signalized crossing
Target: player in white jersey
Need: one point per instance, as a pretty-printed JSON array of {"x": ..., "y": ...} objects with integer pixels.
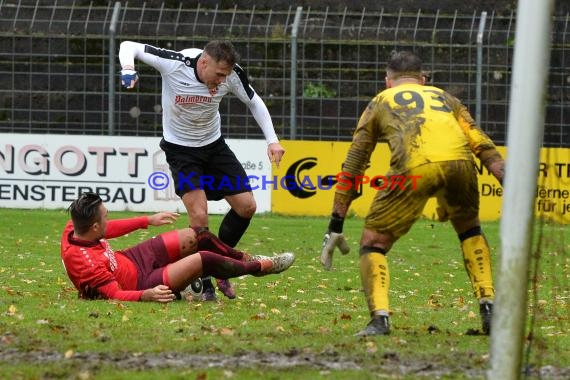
[{"x": 194, "y": 82}]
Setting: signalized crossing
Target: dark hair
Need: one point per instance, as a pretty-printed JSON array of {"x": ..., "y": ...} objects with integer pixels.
[
  {"x": 84, "y": 211},
  {"x": 222, "y": 51},
  {"x": 404, "y": 64}
]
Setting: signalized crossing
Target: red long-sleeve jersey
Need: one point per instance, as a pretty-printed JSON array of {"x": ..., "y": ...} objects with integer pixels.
[{"x": 95, "y": 269}]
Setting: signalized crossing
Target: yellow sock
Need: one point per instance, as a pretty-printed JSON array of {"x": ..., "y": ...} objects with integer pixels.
[
  {"x": 375, "y": 281},
  {"x": 477, "y": 259}
]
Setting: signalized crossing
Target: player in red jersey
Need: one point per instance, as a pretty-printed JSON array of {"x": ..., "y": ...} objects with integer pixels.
[{"x": 154, "y": 270}]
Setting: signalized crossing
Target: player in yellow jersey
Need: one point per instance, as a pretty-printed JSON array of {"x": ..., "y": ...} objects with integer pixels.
[{"x": 432, "y": 140}]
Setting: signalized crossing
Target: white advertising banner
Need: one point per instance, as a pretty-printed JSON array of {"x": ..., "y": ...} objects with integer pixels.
[{"x": 129, "y": 173}]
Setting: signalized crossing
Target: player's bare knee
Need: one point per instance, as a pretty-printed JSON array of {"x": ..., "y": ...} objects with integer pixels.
[
  {"x": 247, "y": 211},
  {"x": 198, "y": 218},
  {"x": 465, "y": 224},
  {"x": 250, "y": 211},
  {"x": 377, "y": 240},
  {"x": 188, "y": 241},
  {"x": 366, "y": 249}
]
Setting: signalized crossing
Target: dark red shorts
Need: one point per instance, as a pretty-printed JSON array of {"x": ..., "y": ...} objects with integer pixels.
[{"x": 151, "y": 258}]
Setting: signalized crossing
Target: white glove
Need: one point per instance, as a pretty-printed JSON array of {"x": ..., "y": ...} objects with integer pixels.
[{"x": 330, "y": 242}]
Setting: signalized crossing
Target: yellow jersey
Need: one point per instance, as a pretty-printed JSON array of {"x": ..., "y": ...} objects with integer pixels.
[{"x": 420, "y": 124}]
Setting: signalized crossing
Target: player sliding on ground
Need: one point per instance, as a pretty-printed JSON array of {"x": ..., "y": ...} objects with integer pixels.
[
  {"x": 431, "y": 137},
  {"x": 154, "y": 270}
]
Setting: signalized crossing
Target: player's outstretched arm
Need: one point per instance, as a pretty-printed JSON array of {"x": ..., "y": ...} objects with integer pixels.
[
  {"x": 261, "y": 114},
  {"x": 162, "y": 218}
]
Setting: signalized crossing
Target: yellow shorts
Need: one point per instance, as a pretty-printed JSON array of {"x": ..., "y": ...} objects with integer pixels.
[{"x": 396, "y": 208}]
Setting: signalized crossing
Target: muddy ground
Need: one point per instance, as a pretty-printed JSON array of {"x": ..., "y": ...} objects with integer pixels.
[{"x": 391, "y": 364}]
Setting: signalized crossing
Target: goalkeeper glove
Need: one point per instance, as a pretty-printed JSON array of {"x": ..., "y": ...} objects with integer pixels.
[
  {"x": 129, "y": 78},
  {"x": 333, "y": 238}
]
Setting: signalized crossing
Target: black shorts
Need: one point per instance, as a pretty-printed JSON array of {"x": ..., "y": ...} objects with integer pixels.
[{"x": 213, "y": 168}]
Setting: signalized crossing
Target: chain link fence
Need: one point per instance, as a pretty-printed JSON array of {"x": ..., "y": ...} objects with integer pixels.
[{"x": 59, "y": 65}]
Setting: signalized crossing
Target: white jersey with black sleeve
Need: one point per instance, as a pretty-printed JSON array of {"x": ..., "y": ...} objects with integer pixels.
[{"x": 190, "y": 113}]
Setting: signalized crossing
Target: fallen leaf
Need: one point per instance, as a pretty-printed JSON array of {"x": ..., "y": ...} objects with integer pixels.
[
  {"x": 7, "y": 339},
  {"x": 226, "y": 331}
]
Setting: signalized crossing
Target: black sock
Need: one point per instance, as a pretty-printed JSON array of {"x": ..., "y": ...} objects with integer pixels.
[
  {"x": 207, "y": 283},
  {"x": 232, "y": 228}
]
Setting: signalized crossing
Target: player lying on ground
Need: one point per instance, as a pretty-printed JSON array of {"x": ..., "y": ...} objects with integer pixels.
[{"x": 154, "y": 270}]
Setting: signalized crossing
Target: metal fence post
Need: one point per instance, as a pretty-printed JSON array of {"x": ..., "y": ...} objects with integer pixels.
[
  {"x": 112, "y": 32},
  {"x": 479, "y": 83},
  {"x": 294, "y": 72}
]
